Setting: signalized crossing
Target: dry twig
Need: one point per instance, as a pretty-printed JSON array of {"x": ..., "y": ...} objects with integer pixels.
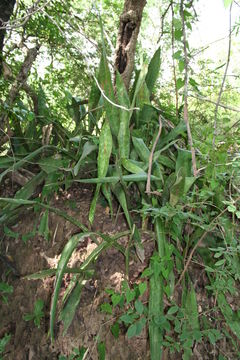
[
  {"x": 224, "y": 76},
  {"x": 227, "y": 107},
  {"x": 21, "y": 22}
]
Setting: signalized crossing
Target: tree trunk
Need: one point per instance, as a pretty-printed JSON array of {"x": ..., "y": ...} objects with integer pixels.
[
  {"x": 130, "y": 21},
  {"x": 19, "y": 83},
  {"x": 6, "y": 10}
]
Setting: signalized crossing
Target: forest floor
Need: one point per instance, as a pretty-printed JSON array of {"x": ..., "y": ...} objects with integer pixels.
[{"x": 90, "y": 325}]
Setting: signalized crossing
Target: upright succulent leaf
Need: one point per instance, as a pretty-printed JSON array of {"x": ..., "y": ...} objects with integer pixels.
[
  {"x": 112, "y": 112},
  {"x": 104, "y": 153},
  {"x": 153, "y": 70},
  {"x": 124, "y": 130}
]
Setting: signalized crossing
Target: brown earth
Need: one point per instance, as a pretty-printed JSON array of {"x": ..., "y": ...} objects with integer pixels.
[{"x": 90, "y": 325}]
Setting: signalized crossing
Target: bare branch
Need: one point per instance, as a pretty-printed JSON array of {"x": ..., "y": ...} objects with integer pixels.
[
  {"x": 227, "y": 107},
  {"x": 20, "y": 81},
  {"x": 162, "y": 21},
  {"x": 9, "y": 25},
  {"x": 23, "y": 73},
  {"x": 224, "y": 76}
]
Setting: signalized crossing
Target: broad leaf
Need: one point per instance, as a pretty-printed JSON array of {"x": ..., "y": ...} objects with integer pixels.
[{"x": 153, "y": 70}]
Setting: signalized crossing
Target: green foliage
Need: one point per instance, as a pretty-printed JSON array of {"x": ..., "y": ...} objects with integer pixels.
[
  {"x": 37, "y": 314},
  {"x": 68, "y": 313},
  {"x": 78, "y": 354},
  {"x": 3, "y": 342},
  {"x": 5, "y": 290},
  {"x": 135, "y": 318},
  {"x": 227, "y": 2},
  {"x": 59, "y": 137},
  {"x": 101, "y": 351}
]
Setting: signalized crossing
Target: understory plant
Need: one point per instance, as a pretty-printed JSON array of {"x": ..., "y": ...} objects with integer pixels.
[{"x": 135, "y": 147}]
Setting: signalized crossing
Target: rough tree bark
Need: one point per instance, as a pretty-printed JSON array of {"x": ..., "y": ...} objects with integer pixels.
[
  {"x": 130, "y": 21},
  {"x": 18, "y": 84},
  {"x": 6, "y": 10}
]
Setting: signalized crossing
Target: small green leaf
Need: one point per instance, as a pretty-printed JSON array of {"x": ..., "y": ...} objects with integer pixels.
[
  {"x": 130, "y": 295},
  {"x": 136, "y": 328},
  {"x": 107, "y": 308},
  {"x": 115, "y": 330},
  {"x": 218, "y": 255},
  {"x": 26, "y": 237},
  {"x": 232, "y": 208},
  {"x": 101, "y": 351},
  {"x": 172, "y": 310},
  {"x": 128, "y": 318},
  {"x": 211, "y": 337},
  {"x": 3, "y": 342},
  {"x": 207, "y": 268},
  {"x": 139, "y": 307},
  {"x": 43, "y": 227},
  {"x": 38, "y": 306},
  {"x": 177, "y": 55},
  {"x": 5, "y": 288},
  {"x": 220, "y": 262},
  {"x": 142, "y": 288},
  {"x": 197, "y": 335},
  {"x": 8, "y": 232},
  {"x": 180, "y": 83},
  {"x": 178, "y": 34},
  {"x": 28, "y": 317},
  {"x": 147, "y": 272},
  {"x": 116, "y": 298},
  {"x": 181, "y": 65}
]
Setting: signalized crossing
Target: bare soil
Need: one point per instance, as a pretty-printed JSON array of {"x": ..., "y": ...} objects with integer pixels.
[{"x": 90, "y": 325}]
